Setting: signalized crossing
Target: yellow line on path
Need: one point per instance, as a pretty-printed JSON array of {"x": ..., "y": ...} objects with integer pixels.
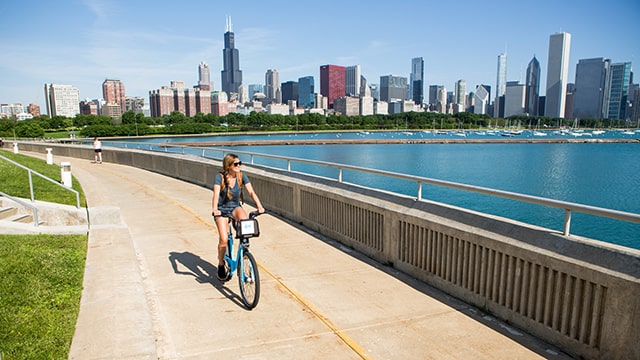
[{"x": 338, "y": 332}]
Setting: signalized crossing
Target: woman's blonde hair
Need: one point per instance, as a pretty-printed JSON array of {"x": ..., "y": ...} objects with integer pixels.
[{"x": 227, "y": 163}]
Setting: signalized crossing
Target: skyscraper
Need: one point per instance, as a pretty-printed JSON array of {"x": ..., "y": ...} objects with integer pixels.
[
  {"x": 416, "y": 81},
  {"x": 460, "y": 95},
  {"x": 204, "y": 77},
  {"x": 393, "y": 88},
  {"x": 272, "y": 85},
  {"x": 255, "y": 88},
  {"x": 441, "y": 105},
  {"x": 634, "y": 99},
  {"x": 305, "y": 92},
  {"x": 352, "y": 80},
  {"x": 617, "y": 91},
  {"x": 332, "y": 82},
  {"x": 231, "y": 75},
  {"x": 557, "y": 74},
  {"x": 433, "y": 96},
  {"x": 590, "y": 84},
  {"x": 177, "y": 97},
  {"x": 481, "y": 100},
  {"x": 62, "y": 100},
  {"x": 501, "y": 85},
  {"x": 532, "y": 88},
  {"x": 113, "y": 93},
  {"x": 514, "y": 99},
  {"x": 289, "y": 91}
]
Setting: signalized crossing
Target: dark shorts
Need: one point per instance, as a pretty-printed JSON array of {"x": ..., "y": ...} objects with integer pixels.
[
  {"x": 227, "y": 211},
  {"x": 98, "y": 150}
]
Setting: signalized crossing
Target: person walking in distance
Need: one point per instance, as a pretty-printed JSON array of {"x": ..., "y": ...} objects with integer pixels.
[
  {"x": 227, "y": 202},
  {"x": 97, "y": 151}
]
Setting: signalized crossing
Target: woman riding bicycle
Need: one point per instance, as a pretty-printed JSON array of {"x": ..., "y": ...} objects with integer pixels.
[{"x": 226, "y": 202}]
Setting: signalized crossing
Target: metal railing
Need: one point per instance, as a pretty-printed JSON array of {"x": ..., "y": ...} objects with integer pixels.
[
  {"x": 33, "y": 208},
  {"x": 568, "y": 207},
  {"x": 31, "y": 172}
]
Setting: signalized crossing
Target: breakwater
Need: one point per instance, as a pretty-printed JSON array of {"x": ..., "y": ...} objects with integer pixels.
[{"x": 338, "y": 141}]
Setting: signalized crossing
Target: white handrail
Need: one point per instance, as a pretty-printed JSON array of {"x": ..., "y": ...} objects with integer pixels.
[
  {"x": 33, "y": 208},
  {"x": 30, "y": 172}
]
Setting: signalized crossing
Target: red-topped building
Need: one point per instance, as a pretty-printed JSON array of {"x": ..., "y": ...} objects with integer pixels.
[
  {"x": 113, "y": 93},
  {"x": 332, "y": 82}
]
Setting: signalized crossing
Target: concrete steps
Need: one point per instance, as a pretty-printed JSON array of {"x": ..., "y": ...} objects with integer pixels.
[
  {"x": 10, "y": 214},
  {"x": 6, "y": 212}
]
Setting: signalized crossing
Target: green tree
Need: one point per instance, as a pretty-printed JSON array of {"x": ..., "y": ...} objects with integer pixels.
[
  {"x": 212, "y": 119},
  {"x": 176, "y": 117},
  {"x": 129, "y": 117},
  {"x": 59, "y": 122},
  {"x": 82, "y": 120},
  {"x": 236, "y": 119},
  {"x": 29, "y": 129},
  {"x": 98, "y": 131},
  {"x": 6, "y": 127}
]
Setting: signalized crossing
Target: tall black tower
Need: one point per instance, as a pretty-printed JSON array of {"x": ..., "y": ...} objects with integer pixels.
[
  {"x": 532, "y": 88},
  {"x": 231, "y": 73}
]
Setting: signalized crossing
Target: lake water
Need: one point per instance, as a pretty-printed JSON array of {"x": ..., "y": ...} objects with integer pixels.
[{"x": 598, "y": 174}]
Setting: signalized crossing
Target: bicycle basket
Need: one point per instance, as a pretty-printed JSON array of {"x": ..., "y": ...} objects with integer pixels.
[{"x": 248, "y": 228}]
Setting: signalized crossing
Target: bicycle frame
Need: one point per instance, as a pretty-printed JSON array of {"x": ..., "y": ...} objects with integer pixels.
[
  {"x": 234, "y": 249},
  {"x": 238, "y": 258}
]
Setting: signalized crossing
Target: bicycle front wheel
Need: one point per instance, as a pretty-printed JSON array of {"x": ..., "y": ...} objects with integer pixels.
[{"x": 249, "y": 280}]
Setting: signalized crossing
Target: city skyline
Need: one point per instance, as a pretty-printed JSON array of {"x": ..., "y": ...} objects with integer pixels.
[{"x": 146, "y": 48}]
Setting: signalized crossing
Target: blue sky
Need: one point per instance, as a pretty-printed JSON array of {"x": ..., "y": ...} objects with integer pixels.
[{"x": 147, "y": 44}]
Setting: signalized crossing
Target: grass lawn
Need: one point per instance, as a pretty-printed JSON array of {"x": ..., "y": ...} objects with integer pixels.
[
  {"x": 40, "y": 289},
  {"x": 40, "y": 275},
  {"x": 14, "y": 180}
]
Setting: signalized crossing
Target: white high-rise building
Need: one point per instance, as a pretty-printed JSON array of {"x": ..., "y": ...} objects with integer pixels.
[
  {"x": 481, "y": 100},
  {"x": 204, "y": 77},
  {"x": 366, "y": 105},
  {"x": 460, "y": 95},
  {"x": 557, "y": 74},
  {"x": 441, "y": 106},
  {"x": 501, "y": 83},
  {"x": 62, "y": 100},
  {"x": 352, "y": 80}
]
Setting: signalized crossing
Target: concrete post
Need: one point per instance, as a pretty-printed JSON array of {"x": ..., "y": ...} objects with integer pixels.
[
  {"x": 49, "y": 156},
  {"x": 65, "y": 174}
]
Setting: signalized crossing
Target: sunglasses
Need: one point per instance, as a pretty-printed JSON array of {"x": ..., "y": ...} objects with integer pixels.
[{"x": 237, "y": 163}]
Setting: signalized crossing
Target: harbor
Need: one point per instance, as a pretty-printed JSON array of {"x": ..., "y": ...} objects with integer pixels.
[{"x": 363, "y": 141}]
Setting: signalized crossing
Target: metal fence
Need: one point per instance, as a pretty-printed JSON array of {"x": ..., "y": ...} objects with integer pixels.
[
  {"x": 567, "y": 207},
  {"x": 31, "y": 172}
]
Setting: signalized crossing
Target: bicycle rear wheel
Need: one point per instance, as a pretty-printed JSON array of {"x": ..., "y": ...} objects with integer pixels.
[{"x": 249, "y": 280}]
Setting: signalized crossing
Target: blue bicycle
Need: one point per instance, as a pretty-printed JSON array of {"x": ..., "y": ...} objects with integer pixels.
[{"x": 238, "y": 257}]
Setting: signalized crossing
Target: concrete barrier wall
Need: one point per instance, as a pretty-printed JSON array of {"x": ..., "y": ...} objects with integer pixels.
[{"x": 579, "y": 294}]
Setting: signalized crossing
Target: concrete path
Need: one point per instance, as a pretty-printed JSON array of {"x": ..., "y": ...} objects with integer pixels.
[{"x": 150, "y": 290}]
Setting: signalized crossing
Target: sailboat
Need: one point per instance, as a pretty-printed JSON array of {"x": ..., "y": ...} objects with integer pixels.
[
  {"x": 537, "y": 132},
  {"x": 575, "y": 131}
]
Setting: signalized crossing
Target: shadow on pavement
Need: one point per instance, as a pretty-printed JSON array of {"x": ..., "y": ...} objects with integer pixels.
[{"x": 203, "y": 272}]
